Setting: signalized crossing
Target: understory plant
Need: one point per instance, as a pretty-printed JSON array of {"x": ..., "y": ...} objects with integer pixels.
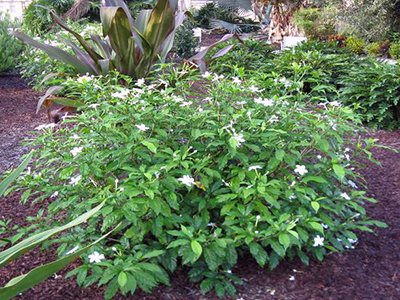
[
  {"x": 394, "y": 51},
  {"x": 200, "y": 176}
]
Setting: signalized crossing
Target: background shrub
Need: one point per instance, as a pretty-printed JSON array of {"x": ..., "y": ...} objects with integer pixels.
[
  {"x": 317, "y": 23},
  {"x": 355, "y": 44},
  {"x": 394, "y": 51},
  {"x": 373, "y": 49},
  {"x": 10, "y": 47},
  {"x": 37, "y": 21},
  {"x": 185, "y": 43}
]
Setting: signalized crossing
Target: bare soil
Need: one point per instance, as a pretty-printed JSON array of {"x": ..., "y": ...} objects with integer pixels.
[{"x": 370, "y": 271}]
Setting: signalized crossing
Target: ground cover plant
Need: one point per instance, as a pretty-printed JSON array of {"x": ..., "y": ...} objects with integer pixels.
[{"x": 199, "y": 181}]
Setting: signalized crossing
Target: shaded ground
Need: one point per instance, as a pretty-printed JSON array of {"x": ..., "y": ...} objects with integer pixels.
[{"x": 371, "y": 271}]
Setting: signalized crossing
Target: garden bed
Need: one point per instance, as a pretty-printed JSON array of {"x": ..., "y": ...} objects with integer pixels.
[{"x": 370, "y": 271}]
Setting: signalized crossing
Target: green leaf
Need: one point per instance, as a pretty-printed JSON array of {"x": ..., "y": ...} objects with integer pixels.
[
  {"x": 122, "y": 279},
  {"x": 279, "y": 154},
  {"x": 178, "y": 243},
  {"x": 315, "y": 205},
  {"x": 339, "y": 171},
  {"x": 7, "y": 182},
  {"x": 150, "y": 146},
  {"x": 154, "y": 253},
  {"x": 316, "y": 226},
  {"x": 196, "y": 247},
  {"x": 284, "y": 239}
]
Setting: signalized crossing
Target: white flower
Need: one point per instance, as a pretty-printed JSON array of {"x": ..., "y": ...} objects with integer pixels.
[
  {"x": 218, "y": 77},
  {"x": 122, "y": 94},
  {"x": 254, "y": 89},
  {"x": 46, "y": 126},
  {"x": 85, "y": 78},
  {"x": 318, "y": 241},
  {"x": 185, "y": 103},
  {"x": 291, "y": 278},
  {"x": 55, "y": 194},
  {"x": 236, "y": 80},
  {"x": 254, "y": 168},
  {"x": 229, "y": 271},
  {"x": 239, "y": 138},
  {"x": 258, "y": 217},
  {"x": 324, "y": 226},
  {"x": 113, "y": 249},
  {"x": 142, "y": 127},
  {"x": 345, "y": 196},
  {"x": 335, "y": 103},
  {"x": 273, "y": 119},
  {"x": 301, "y": 170},
  {"x": 352, "y": 184},
  {"x": 265, "y": 102},
  {"x": 76, "y": 151},
  {"x": 96, "y": 257},
  {"x": 75, "y": 180},
  {"x": 211, "y": 224},
  {"x": 256, "y": 232},
  {"x": 319, "y": 156},
  {"x": 140, "y": 82},
  {"x": 75, "y": 137},
  {"x": 187, "y": 180},
  {"x": 94, "y": 105},
  {"x": 292, "y": 197},
  {"x": 272, "y": 293},
  {"x": 207, "y": 75},
  {"x": 73, "y": 250}
]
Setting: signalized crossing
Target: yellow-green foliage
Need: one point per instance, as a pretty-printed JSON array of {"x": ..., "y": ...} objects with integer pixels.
[
  {"x": 394, "y": 51},
  {"x": 356, "y": 45},
  {"x": 373, "y": 49}
]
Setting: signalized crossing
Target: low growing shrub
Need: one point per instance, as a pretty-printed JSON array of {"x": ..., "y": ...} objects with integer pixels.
[
  {"x": 37, "y": 21},
  {"x": 373, "y": 49},
  {"x": 394, "y": 51},
  {"x": 356, "y": 45},
  {"x": 185, "y": 44},
  {"x": 198, "y": 179}
]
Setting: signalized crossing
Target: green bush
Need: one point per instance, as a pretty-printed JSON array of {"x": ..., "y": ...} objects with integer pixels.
[
  {"x": 373, "y": 49},
  {"x": 37, "y": 21},
  {"x": 10, "y": 47},
  {"x": 185, "y": 44},
  {"x": 373, "y": 89},
  {"x": 248, "y": 56},
  {"x": 356, "y": 45},
  {"x": 199, "y": 179},
  {"x": 394, "y": 51},
  {"x": 317, "y": 23}
]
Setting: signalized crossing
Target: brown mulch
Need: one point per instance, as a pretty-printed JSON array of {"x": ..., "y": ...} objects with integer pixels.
[{"x": 370, "y": 271}]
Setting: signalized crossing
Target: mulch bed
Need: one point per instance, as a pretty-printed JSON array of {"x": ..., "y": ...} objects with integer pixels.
[{"x": 370, "y": 271}]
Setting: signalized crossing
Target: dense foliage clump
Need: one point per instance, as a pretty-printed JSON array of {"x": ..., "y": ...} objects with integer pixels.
[
  {"x": 199, "y": 179},
  {"x": 10, "y": 48}
]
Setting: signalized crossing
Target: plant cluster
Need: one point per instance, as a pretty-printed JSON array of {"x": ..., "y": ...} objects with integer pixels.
[
  {"x": 10, "y": 48},
  {"x": 37, "y": 21},
  {"x": 356, "y": 45},
  {"x": 199, "y": 178}
]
